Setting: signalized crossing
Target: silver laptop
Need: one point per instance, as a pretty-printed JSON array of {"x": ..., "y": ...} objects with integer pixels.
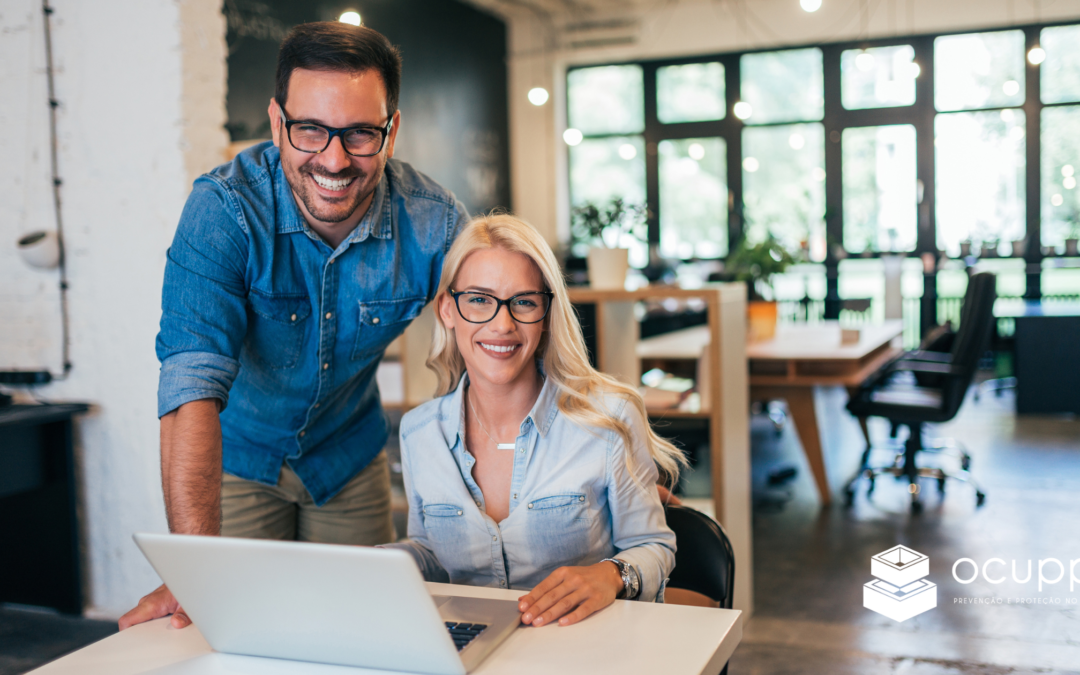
[{"x": 323, "y": 603}]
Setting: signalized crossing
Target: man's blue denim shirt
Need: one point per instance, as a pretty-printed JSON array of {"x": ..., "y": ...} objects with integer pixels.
[{"x": 260, "y": 313}]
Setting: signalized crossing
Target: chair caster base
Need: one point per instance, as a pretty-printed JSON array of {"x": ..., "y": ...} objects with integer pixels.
[
  {"x": 980, "y": 499},
  {"x": 916, "y": 506}
]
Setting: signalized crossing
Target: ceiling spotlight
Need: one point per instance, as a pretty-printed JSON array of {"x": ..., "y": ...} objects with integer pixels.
[
  {"x": 743, "y": 110},
  {"x": 1037, "y": 55},
  {"x": 810, "y": 5},
  {"x": 350, "y": 17},
  {"x": 571, "y": 136},
  {"x": 538, "y": 96}
]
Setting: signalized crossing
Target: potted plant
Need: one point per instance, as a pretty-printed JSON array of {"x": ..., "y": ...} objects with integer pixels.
[
  {"x": 1019, "y": 246},
  {"x": 755, "y": 264},
  {"x": 604, "y": 229},
  {"x": 965, "y": 248},
  {"x": 1073, "y": 237}
]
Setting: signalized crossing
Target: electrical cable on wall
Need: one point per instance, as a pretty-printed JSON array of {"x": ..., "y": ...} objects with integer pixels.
[{"x": 38, "y": 240}]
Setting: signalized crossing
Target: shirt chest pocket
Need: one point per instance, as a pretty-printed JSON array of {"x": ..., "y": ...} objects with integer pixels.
[
  {"x": 381, "y": 321},
  {"x": 275, "y": 332},
  {"x": 445, "y": 527},
  {"x": 559, "y": 527}
]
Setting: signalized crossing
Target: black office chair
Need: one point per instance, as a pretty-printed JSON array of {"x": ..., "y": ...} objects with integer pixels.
[
  {"x": 925, "y": 386},
  {"x": 704, "y": 560}
]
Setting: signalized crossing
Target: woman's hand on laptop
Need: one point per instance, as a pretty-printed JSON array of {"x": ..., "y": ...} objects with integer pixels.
[
  {"x": 570, "y": 594},
  {"x": 154, "y": 606}
]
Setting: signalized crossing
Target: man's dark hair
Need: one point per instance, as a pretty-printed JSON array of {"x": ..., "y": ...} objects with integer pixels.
[{"x": 333, "y": 45}]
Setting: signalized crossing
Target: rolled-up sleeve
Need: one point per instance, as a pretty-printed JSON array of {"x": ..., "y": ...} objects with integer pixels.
[
  {"x": 417, "y": 544},
  {"x": 203, "y": 301},
  {"x": 639, "y": 529}
]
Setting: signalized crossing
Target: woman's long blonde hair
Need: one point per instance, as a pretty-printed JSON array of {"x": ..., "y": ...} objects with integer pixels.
[{"x": 562, "y": 347}]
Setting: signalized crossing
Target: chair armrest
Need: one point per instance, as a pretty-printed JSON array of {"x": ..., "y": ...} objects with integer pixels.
[
  {"x": 927, "y": 367},
  {"x": 924, "y": 355}
]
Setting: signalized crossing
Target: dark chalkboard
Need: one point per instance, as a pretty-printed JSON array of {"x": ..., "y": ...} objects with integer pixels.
[{"x": 453, "y": 92}]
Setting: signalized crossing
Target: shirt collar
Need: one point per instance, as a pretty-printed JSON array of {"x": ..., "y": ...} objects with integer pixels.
[
  {"x": 376, "y": 222},
  {"x": 542, "y": 414}
]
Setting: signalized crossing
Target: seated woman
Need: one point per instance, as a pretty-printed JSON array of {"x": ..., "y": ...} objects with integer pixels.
[{"x": 531, "y": 469}]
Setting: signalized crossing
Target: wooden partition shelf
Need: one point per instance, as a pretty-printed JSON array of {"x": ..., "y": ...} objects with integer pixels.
[{"x": 722, "y": 384}]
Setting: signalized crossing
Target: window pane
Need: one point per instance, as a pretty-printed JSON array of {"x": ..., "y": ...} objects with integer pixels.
[
  {"x": 693, "y": 198},
  {"x": 783, "y": 86},
  {"x": 880, "y": 188},
  {"x": 882, "y": 77},
  {"x": 1060, "y": 72},
  {"x": 690, "y": 93},
  {"x": 1060, "y": 165},
  {"x": 980, "y": 177},
  {"x": 979, "y": 70},
  {"x": 784, "y": 185},
  {"x": 606, "y": 100},
  {"x": 603, "y": 169}
]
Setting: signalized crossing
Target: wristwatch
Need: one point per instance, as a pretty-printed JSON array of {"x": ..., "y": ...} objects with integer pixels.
[{"x": 630, "y": 578}]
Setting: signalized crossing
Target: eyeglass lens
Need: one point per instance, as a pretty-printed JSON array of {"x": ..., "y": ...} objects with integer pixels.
[
  {"x": 313, "y": 138},
  {"x": 479, "y": 308}
]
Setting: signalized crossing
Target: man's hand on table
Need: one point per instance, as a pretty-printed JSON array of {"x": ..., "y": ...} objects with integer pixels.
[
  {"x": 583, "y": 590},
  {"x": 154, "y": 606}
]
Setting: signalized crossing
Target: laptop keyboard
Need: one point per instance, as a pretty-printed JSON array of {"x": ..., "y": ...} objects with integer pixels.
[{"x": 464, "y": 633}]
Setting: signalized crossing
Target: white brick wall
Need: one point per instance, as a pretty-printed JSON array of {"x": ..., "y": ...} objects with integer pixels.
[{"x": 142, "y": 91}]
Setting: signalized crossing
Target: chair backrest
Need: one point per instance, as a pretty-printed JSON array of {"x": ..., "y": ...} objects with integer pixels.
[
  {"x": 972, "y": 339},
  {"x": 704, "y": 559}
]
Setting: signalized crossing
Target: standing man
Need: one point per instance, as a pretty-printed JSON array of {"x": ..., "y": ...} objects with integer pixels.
[{"x": 292, "y": 269}]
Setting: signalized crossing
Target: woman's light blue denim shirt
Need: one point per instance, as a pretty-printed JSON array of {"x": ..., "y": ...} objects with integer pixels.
[{"x": 573, "y": 500}]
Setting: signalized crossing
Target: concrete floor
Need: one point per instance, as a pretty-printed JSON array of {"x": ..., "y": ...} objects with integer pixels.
[{"x": 811, "y": 563}]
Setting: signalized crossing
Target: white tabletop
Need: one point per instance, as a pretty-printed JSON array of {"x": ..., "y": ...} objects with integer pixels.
[{"x": 639, "y": 637}]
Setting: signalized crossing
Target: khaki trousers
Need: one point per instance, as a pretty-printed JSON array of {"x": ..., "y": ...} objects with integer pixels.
[{"x": 359, "y": 514}]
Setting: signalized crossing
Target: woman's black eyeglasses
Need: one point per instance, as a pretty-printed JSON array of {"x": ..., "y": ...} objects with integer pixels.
[
  {"x": 314, "y": 138},
  {"x": 477, "y": 307}
]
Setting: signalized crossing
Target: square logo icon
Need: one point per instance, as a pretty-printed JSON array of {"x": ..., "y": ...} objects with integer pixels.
[{"x": 900, "y": 591}]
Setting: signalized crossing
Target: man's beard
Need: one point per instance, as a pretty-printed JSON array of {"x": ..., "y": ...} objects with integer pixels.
[{"x": 316, "y": 205}]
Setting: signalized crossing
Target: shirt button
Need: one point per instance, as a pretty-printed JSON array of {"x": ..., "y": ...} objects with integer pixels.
[
  {"x": 329, "y": 314},
  {"x": 502, "y": 583},
  {"x": 581, "y": 499},
  {"x": 522, "y": 451},
  {"x": 459, "y": 513},
  {"x": 494, "y": 539},
  {"x": 303, "y": 433},
  {"x": 375, "y": 320},
  {"x": 325, "y": 366},
  {"x": 478, "y": 503},
  {"x": 515, "y": 495},
  {"x": 333, "y": 260},
  {"x": 530, "y": 505},
  {"x": 292, "y": 318},
  {"x": 318, "y": 404}
]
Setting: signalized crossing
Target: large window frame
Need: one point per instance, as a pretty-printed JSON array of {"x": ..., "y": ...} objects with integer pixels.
[{"x": 921, "y": 115}]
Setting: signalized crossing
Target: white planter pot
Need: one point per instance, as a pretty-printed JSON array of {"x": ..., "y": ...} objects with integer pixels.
[
  {"x": 608, "y": 267},
  {"x": 40, "y": 249}
]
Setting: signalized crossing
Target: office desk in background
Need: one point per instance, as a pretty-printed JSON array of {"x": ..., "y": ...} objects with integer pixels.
[
  {"x": 627, "y": 637},
  {"x": 1047, "y": 365},
  {"x": 800, "y": 357}
]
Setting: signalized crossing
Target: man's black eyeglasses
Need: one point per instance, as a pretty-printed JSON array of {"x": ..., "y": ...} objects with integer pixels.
[
  {"x": 477, "y": 307},
  {"x": 314, "y": 138}
]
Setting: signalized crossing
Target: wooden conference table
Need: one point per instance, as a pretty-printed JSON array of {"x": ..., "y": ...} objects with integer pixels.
[
  {"x": 798, "y": 358},
  {"x": 627, "y": 637}
]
